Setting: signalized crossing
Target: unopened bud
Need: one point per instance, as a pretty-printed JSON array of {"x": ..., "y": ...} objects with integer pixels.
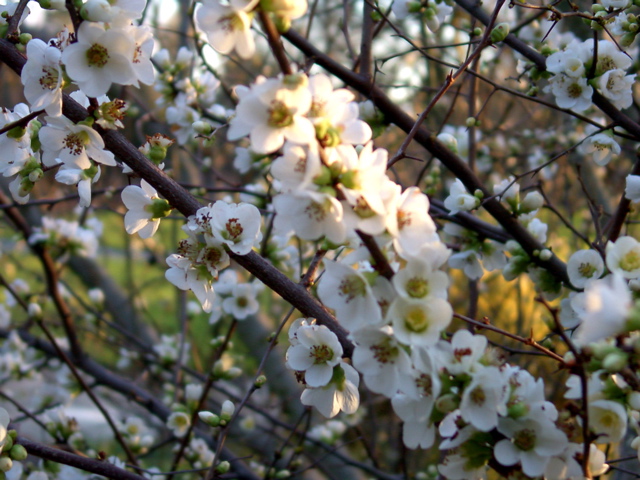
[
  {"x": 531, "y": 202},
  {"x": 18, "y": 453},
  {"x": 614, "y": 362},
  {"x": 545, "y": 254},
  {"x": 223, "y": 467},
  {"x": 209, "y": 418},
  {"x": 5, "y": 464},
  {"x": 227, "y": 410},
  {"x": 260, "y": 381},
  {"x": 500, "y": 32}
]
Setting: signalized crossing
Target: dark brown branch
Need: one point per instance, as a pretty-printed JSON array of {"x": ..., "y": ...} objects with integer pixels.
[{"x": 87, "y": 464}]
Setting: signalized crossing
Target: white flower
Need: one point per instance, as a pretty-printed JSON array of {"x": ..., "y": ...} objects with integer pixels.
[
  {"x": 67, "y": 142},
  {"x": 178, "y": 423},
  {"x": 72, "y": 174},
  {"x": 145, "y": 209},
  {"x": 608, "y": 420},
  {"x": 228, "y": 27},
  {"x": 467, "y": 261},
  {"x": 606, "y": 306},
  {"x": 385, "y": 365},
  {"x": 632, "y": 189},
  {"x": 347, "y": 291},
  {"x": 419, "y": 322},
  {"x": 602, "y": 147},
  {"x": 42, "y": 77},
  {"x": 236, "y": 225},
  {"x": 340, "y": 394},
  {"x": 616, "y": 86},
  {"x": 243, "y": 302},
  {"x": 335, "y": 114},
  {"x": 316, "y": 353},
  {"x": 530, "y": 442},
  {"x": 99, "y": 58},
  {"x": 412, "y": 227},
  {"x": 273, "y": 111},
  {"x": 623, "y": 257},
  {"x": 418, "y": 431},
  {"x": 184, "y": 275},
  {"x": 583, "y": 266},
  {"x": 417, "y": 280},
  {"x": 571, "y": 92},
  {"x": 484, "y": 399},
  {"x": 463, "y": 353},
  {"x": 459, "y": 200}
]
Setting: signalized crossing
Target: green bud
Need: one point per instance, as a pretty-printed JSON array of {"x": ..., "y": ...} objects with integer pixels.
[
  {"x": 282, "y": 474},
  {"x": 546, "y": 50},
  {"x": 5, "y": 463},
  {"x": 447, "y": 403},
  {"x": 470, "y": 122},
  {"x": 223, "y": 467},
  {"x": 260, "y": 381},
  {"x": 18, "y": 453},
  {"x": 209, "y": 418},
  {"x": 517, "y": 410},
  {"x": 500, "y": 32},
  {"x": 159, "y": 208},
  {"x": 476, "y": 32},
  {"x": 376, "y": 16},
  {"x": 8, "y": 444},
  {"x": 46, "y": 4},
  {"x": 532, "y": 92},
  {"x": 349, "y": 179},
  {"x": 628, "y": 38},
  {"x": 596, "y": 7},
  {"x": 202, "y": 128},
  {"x": 25, "y": 38},
  {"x": 614, "y": 362},
  {"x": 78, "y": 3},
  {"x": 324, "y": 177},
  {"x": 35, "y": 175},
  {"x": 17, "y": 132},
  {"x": 414, "y": 7},
  {"x": 283, "y": 24},
  {"x": 157, "y": 154}
]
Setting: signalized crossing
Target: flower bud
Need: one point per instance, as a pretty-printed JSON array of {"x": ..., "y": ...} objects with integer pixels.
[
  {"x": 531, "y": 202},
  {"x": 227, "y": 410},
  {"x": 470, "y": 122},
  {"x": 260, "y": 381},
  {"x": 202, "y": 128},
  {"x": 223, "y": 467},
  {"x": 545, "y": 254},
  {"x": 500, "y": 32},
  {"x": 282, "y": 474},
  {"x": 5, "y": 464},
  {"x": 209, "y": 418},
  {"x": 616, "y": 361},
  {"x": 35, "y": 310},
  {"x": 18, "y": 453}
]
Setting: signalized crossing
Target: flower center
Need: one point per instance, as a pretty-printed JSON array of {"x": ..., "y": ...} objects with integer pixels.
[
  {"x": 316, "y": 211},
  {"x": 424, "y": 383},
  {"x": 352, "y": 287},
  {"x": 417, "y": 287},
  {"x": 630, "y": 262},
  {"x": 574, "y": 90},
  {"x": 525, "y": 439},
  {"x": 74, "y": 142},
  {"x": 478, "y": 396},
  {"x": 233, "y": 229},
  {"x": 321, "y": 354},
  {"x": 97, "y": 56},
  {"x": 404, "y": 219},
  {"x": 586, "y": 270},
  {"x": 416, "y": 320},
  {"x": 280, "y": 116},
  {"x": 49, "y": 81},
  {"x": 384, "y": 352}
]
